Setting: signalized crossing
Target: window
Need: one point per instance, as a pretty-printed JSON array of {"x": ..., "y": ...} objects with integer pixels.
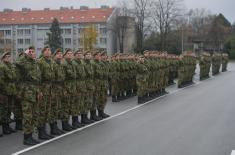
[
  {"x": 40, "y": 39},
  {"x": 20, "y": 32},
  {"x": 67, "y": 31},
  {"x": 103, "y": 40},
  {"x": 103, "y": 30},
  {"x": 1, "y": 41},
  {"x": 61, "y": 31},
  {"x": 20, "y": 41},
  {"x": 8, "y": 41},
  {"x": 67, "y": 41},
  {"x": 81, "y": 30},
  {"x": 1, "y": 33},
  {"x": 27, "y": 31},
  {"x": 27, "y": 41},
  {"x": 8, "y": 32}
]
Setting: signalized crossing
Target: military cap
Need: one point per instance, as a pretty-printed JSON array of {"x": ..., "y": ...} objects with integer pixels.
[
  {"x": 5, "y": 54},
  {"x": 103, "y": 53},
  {"x": 78, "y": 52},
  {"x": 45, "y": 47},
  {"x": 67, "y": 50},
  {"x": 57, "y": 51},
  {"x": 31, "y": 48},
  {"x": 95, "y": 53},
  {"x": 87, "y": 52}
]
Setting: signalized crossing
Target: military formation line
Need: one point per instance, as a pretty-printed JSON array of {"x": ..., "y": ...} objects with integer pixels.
[{"x": 69, "y": 85}]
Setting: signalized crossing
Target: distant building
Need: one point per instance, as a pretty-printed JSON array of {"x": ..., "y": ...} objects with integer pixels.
[{"x": 20, "y": 29}]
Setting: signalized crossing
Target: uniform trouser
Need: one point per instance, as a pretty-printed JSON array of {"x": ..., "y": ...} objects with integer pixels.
[
  {"x": 102, "y": 100},
  {"x": 65, "y": 105},
  {"x": 82, "y": 107},
  {"x": 88, "y": 100},
  {"x": 115, "y": 87},
  {"x": 96, "y": 99},
  {"x": 17, "y": 109},
  {"x": 75, "y": 103},
  {"x": 4, "y": 117},
  {"x": 30, "y": 114}
]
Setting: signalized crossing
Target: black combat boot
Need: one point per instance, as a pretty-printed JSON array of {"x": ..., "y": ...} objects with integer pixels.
[
  {"x": 42, "y": 133},
  {"x": 85, "y": 120},
  {"x": 5, "y": 129},
  {"x": 28, "y": 140},
  {"x": 55, "y": 130},
  {"x": 19, "y": 124},
  {"x": 66, "y": 126},
  {"x": 94, "y": 117},
  {"x": 102, "y": 114},
  {"x": 75, "y": 122}
]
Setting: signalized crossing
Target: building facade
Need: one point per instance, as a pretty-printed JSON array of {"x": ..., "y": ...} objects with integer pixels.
[{"x": 20, "y": 29}]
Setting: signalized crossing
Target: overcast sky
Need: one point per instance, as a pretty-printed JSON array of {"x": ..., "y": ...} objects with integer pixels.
[{"x": 216, "y": 6}]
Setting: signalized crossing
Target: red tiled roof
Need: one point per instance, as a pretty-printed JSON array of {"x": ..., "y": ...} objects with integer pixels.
[{"x": 64, "y": 16}]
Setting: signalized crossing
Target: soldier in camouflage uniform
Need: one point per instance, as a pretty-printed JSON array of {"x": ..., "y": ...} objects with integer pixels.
[
  {"x": 46, "y": 113},
  {"x": 186, "y": 69},
  {"x": 104, "y": 70},
  {"x": 70, "y": 88},
  {"x": 80, "y": 86},
  {"x": 115, "y": 78},
  {"x": 90, "y": 88},
  {"x": 30, "y": 75},
  {"x": 93, "y": 69},
  {"x": 58, "y": 90},
  {"x": 205, "y": 64},
  {"x": 224, "y": 62},
  {"x": 8, "y": 89},
  {"x": 18, "y": 106},
  {"x": 141, "y": 79},
  {"x": 216, "y": 63}
]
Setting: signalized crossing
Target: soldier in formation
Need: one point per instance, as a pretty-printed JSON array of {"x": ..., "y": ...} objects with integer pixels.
[
  {"x": 72, "y": 85},
  {"x": 187, "y": 67},
  {"x": 224, "y": 62},
  {"x": 216, "y": 63},
  {"x": 205, "y": 65}
]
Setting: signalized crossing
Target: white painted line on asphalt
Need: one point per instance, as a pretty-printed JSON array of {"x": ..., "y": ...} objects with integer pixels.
[
  {"x": 233, "y": 152},
  {"x": 111, "y": 117}
]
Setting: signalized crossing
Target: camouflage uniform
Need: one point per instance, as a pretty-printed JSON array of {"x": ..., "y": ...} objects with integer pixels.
[
  {"x": 31, "y": 77},
  {"x": 8, "y": 89},
  {"x": 71, "y": 107},
  {"x": 47, "y": 113},
  {"x": 141, "y": 80},
  {"x": 204, "y": 63},
  {"x": 216, "y": 63},
  {"x": 224, "y": 62}
]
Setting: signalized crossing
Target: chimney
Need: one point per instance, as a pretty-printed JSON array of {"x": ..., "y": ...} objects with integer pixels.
[
  {"x": 26, "y": 9},
  {"x": 7, "y": 10},
  {"x": 84, "y": 7},
  {"x": 63, "y": 8},
  {"x": 104, "y": 7}
]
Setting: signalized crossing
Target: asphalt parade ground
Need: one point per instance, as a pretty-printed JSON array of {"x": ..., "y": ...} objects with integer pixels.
[{"x": 196, "y": 120}]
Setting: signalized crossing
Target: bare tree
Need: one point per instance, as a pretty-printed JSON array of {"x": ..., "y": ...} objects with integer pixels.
[
  {"x": 140, "y": 12},
  {"x": 164, "y": 14}
]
